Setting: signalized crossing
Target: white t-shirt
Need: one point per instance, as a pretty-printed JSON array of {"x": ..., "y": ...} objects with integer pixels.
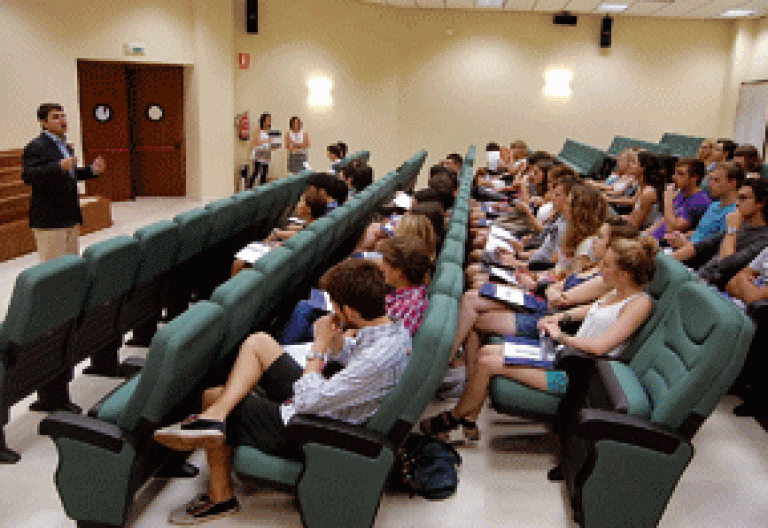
[
  {"x": 298, "y": 138},
  {"x": 263, "y": 151}
]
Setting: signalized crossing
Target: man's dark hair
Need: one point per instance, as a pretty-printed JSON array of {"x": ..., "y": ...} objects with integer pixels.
[
  {"x": 336, "y": 150},
  {"x": 760, "y": 188},
  {"x": 44, "y": 109},
  {"x": 428, "y": 195},
  {"x": 408, "y": 254},
  {"x": 434, "y": 170},
  {"x": 492, "y": 147},
  {"x": 729, "y": 147},
  {"x": 696, "y": 167},
  {"x": 338, "y": 190},
  {"x": 361, "y": 177},
  {"x": 359, "y": 284},
  {"x": 456, "y": 158},
  {"x": 316, "y": 203},
  {"x": 321, "y": 180},
  {"x": 443, "y": 184},
  {"x": 263, "y": 119},
  {"x": 539, "y": 155}
]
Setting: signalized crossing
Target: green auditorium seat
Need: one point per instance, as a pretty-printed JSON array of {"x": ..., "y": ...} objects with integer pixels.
[
  {"x": 629, "y": 439},
  {"x": 240, "y": 299},
  {"x": 106, "y": 457},
  {"x": 158, "y": 251},
  {"x": 513, "y": 398},
  {"x": 45, "y": 303},
  {"x": 113, "y": 267},
  {"x": 448, "y": 280},
  {"x": 341, "y": 479},
  {"x": 185, "y": 276}
]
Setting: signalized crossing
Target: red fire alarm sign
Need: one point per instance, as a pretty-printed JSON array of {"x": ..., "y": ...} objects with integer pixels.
[{"x": 244, "y": 60}]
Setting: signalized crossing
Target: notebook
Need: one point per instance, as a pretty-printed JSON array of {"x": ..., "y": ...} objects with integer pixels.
[
  {"x": 368, "y": 255},
  {"x": 299, "y": 352},
  {"x": 253, "y": 252},
  {"x": 403, "y": 201},
  {"x": 494, "y": 242},
  {"x": 500, "y": 232},
  {"x": 503, "y": 275},
  {"x": 530, "y": 352},
  {"x": 513, "y": 296}
]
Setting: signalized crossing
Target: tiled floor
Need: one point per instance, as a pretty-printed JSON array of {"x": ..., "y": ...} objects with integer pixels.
[{"x": 502, "y": 482}]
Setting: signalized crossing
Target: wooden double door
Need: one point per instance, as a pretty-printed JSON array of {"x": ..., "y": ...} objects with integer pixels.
[{"x": 133, "y": 116}]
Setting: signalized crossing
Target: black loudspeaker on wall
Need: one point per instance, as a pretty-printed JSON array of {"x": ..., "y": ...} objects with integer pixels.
[
  {"x": 252, "y": 16},
  {"x": 605, "y": 32}
]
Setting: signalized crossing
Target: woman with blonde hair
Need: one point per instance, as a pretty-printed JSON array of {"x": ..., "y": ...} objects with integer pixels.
[{"x": 607, "y": 326}]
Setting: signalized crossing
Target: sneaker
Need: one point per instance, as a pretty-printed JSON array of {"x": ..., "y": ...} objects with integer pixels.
[
  {"x": 193, "y": 433},
  {"x": 198, "y": 511}
]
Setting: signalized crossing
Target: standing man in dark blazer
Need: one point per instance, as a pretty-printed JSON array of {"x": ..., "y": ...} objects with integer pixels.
[{"x": 50, "y": 168}]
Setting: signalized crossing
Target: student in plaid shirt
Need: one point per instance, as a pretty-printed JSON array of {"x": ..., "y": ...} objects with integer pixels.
[{"x": 406, "y": 262}]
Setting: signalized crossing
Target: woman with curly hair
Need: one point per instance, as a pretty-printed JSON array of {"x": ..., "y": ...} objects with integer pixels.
[{"x": 585, "y": 212}]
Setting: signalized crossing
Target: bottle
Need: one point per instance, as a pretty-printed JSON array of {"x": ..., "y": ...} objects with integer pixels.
[{"x": 547, "y": 345}]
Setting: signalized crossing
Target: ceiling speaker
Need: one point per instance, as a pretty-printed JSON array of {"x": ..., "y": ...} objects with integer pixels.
[{"x": 605, "y": 32}]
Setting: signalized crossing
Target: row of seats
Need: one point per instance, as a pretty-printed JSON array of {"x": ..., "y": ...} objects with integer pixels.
[
  {"x": 621, "y": 143},
  {"x": 681, "y": 145},
  {"x": 72, "y": 308},
  {"x": 584, "y": 159},
  {"x": 106, "y": 457},
  {"x": 627, "y": 425}
]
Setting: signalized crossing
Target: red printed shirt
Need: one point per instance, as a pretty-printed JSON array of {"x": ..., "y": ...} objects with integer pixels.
[{"x": 408, "y": 305}]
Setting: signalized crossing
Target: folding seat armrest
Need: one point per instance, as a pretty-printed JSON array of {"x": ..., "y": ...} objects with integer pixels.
[
  {"x": 83, "y": 429},
  {"x": 598, "y": 424},
  {"x": 306, "y": 428}
]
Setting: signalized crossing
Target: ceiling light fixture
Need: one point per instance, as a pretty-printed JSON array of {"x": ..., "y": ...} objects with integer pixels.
[
  {"x": 737, "y": 13},
  {"x": 612, "y": 8}
]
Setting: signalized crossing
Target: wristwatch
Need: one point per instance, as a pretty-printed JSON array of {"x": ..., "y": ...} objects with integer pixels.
[{"x": 314, "y": 354}]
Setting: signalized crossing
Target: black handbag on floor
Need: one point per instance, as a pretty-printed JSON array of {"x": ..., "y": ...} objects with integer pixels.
[{"x": 425, "y": 466}]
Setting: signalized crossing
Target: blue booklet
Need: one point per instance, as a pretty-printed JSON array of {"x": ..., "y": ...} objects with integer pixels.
[
  {"x": 514, "y": 297},
  {"x": 528, "y": 352},
  {"x": 368, "y": 255},
  {"x": 320, "y": 300}
]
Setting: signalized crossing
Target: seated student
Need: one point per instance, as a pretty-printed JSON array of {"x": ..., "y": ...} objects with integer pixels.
[
  {"x": 311, "y": 206},
  {"x": 748, "y": 158},
  {"x": 373, "y": 364},
  {"x": 357, "y": 178},
  {"x": 684, "y": 202},
  {"x": 332, "y": 188},
  {"x": 647, "y": 206},
  {"x": 704, "y": 155},
  {"x": 745, "y": 237},
  {"x": 407, "y": 263},
  {"x": 453, "y": 162},
  {"x": 378, "y": 231},
  {"x": 619, "y": 180},
  {"x": 479, "y": 315},
  {"x": 607, "y": 326},
  {"x": 750, "y": 285},
  {"x": 336, "y": 152},
  {"x": 725, "y": 181}
]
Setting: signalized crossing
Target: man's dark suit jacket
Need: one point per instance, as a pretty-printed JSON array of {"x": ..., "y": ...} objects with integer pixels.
[{"x": 54, "y": 202}]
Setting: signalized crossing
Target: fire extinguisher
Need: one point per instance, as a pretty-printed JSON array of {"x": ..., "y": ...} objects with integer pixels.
[{"x": 243, "y": 127}]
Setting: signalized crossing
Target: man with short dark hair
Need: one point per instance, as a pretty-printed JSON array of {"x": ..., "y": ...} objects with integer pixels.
[
  {"x": 684, "y": 202},
  {"x": 745, "y": 237},
  {"x": 50, "y": 168},
  {"x": 372, "y": 361}
]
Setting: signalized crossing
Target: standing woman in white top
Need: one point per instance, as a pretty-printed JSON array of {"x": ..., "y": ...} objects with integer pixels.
[
  {"x": 297, "y": 143},
  {"x": 262, "y": 151},
  {"x": 607, "y": 326}
]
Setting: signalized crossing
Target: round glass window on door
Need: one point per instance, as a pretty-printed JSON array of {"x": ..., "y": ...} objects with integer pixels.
[
  {"x": 103, "y": 113},
  {"x": 155, "y": 112}
]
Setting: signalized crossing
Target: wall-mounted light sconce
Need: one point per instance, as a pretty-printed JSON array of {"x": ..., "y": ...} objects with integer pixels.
[
  {"x": 320, "y": 97},
  {"x": 557, "y": 83}
]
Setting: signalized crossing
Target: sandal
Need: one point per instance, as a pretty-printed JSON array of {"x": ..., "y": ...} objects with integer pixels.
[
  {"x": 440, "y": 425},
  {"x": 471, "y": 431}
]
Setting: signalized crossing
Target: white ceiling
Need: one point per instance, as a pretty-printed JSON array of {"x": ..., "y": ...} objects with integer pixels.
[{"x": 658, "y": 8}]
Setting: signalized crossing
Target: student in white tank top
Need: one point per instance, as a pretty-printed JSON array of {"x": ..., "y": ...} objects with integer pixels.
[
  {"x": 297, "y": 143},
  {"x": 607, "y": 325}
]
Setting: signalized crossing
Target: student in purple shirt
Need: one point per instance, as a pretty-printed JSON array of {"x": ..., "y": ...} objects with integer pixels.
[{"x": 684, "y": 202}]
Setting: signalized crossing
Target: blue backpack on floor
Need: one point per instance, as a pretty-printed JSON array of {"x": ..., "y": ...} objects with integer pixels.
[{"x": 425, "y": 466}]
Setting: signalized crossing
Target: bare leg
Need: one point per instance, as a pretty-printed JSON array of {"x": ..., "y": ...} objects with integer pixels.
[
  {"x": 471, "y": 305},
  {"x": 500, "y": 322},
  {"x": 256, "y": 354},
  {"x": 491, "y": 364}
]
